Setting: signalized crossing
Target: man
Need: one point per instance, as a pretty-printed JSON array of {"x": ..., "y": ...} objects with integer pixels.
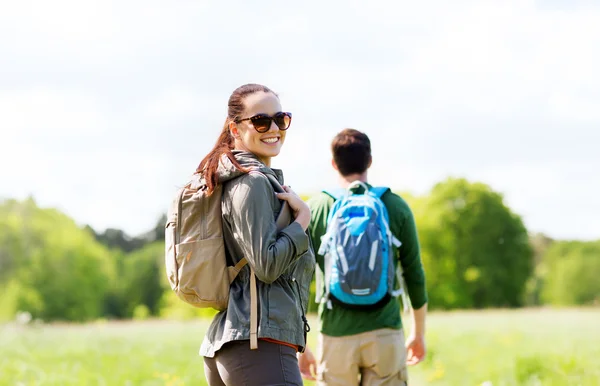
[{"x": 357, "y": 345}]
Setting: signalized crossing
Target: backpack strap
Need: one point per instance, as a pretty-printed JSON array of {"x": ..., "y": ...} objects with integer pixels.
[
  {"x": 355, "y": 184},
  {"x": 379, "y": 191},
  {"x": 235, "y": 270},
  {"x": 338, "y": 193},
  {"x": 253, "y": 312},
  {"x": 401, "y": 291},
  {"x": 283, "y": 220}
]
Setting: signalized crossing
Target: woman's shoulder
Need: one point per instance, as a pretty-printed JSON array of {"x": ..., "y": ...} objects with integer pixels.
[
  {"x": 249, "y": 186},
  {"x": 251, "y": 178}
]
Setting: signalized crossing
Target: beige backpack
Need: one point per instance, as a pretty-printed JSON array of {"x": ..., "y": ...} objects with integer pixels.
[{"x": 195, "y": 252}]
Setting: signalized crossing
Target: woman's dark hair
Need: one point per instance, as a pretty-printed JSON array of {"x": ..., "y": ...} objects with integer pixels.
[
  {"x": 225, "y": 142},
  {"x": 351, "y": 151}
]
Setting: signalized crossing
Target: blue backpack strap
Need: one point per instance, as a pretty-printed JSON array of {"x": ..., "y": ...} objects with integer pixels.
[{"x": 379, "y": 191}]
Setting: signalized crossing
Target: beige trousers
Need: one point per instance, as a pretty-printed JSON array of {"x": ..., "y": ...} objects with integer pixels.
[{"x": 372, "y": 358}]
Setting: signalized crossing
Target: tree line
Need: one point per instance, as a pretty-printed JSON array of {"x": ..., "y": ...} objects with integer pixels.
[{"x": 476, "y": 251}]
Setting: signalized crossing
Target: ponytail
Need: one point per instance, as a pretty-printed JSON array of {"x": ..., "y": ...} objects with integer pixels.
[
  {"x": 209, "y": 165},
  {"x": 225, "y": 143}
]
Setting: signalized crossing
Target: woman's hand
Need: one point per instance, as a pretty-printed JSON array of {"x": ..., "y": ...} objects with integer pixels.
[{"x": 299, "y": 207}]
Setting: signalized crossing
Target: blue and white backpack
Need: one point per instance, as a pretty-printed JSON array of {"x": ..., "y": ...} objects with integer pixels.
[{"x": 357, "y": 246}]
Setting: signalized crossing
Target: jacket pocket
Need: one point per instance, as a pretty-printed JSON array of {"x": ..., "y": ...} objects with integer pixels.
[
  {"x": 288, "y": 295},
  {"x": 282, "y": 306}
]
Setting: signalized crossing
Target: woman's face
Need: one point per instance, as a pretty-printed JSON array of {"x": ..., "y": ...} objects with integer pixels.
[{"x": 263, "y": 145}]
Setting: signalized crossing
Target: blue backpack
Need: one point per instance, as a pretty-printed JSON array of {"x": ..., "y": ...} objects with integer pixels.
[{"x": 357, "y": 246}]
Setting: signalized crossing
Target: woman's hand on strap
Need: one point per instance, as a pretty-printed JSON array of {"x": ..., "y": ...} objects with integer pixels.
[{"x": 298, "y": 206}]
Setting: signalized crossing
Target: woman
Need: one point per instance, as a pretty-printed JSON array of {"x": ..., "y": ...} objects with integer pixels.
[{"x": 282, "y": 261}]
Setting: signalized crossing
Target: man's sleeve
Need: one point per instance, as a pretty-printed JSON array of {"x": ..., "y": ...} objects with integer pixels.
[
  {"x": 318, "y": 223},
  {"x": 410, "y": 260}
]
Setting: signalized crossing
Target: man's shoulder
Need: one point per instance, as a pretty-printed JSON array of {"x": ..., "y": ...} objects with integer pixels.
[{"x": 396, "y": 205}]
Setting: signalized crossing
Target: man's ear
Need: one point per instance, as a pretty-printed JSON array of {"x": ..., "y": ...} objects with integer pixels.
[
  {"x": 334, "y": 165},
  {"x": 370, "y": 161}
]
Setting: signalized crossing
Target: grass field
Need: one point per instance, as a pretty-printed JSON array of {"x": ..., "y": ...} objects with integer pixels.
[{"x": 523, "y": 347}]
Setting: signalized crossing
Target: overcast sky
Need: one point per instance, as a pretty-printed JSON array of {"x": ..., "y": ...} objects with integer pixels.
[{"x": 106, "y": 107}]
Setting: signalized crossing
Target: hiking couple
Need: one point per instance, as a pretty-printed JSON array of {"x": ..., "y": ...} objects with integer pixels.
[{"x": 361, "y": 239}]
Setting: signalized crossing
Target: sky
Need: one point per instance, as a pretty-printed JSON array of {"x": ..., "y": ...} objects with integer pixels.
[{"x": 106, "y": 107}]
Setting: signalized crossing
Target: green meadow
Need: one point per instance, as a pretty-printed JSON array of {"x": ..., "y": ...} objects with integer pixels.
[{"x": 503, "y": 347}]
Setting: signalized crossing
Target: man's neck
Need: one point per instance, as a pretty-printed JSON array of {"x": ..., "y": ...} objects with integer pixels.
[{"x": 344, "y": 181}]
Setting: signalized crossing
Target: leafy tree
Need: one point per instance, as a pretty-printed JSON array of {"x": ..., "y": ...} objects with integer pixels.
[
  {"x": 118, "y": 239},
  {"x": 475, "y": 251},
  {"x": 570, "y": 273},
  {"x": 61, "y": 271},
  {"x": 139, "y": 262},
  {"x": 10, "y": 240},
  {"x": 539, "y": 244},
  {"x": 143, "y": 279}
]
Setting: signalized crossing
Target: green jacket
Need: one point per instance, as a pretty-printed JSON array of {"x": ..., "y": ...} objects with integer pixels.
[
  {"x": 283, "y": 261},
  {"x": 339, "y": 321}
]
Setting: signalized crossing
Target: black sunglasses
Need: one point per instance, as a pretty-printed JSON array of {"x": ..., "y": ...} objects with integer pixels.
[{"x": 262, "y": 122}]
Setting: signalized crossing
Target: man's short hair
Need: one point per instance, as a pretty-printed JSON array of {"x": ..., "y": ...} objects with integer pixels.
[{"x": 351, "y": 151}]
